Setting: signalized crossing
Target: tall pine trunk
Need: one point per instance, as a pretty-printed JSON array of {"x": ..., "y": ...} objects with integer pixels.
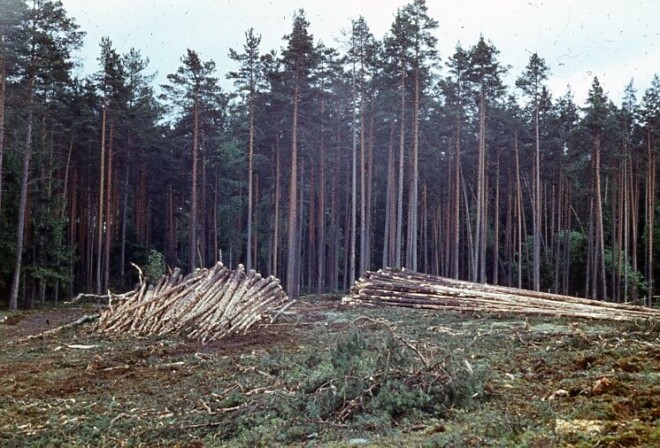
[
  {"x": 276, "y": 217},
  {"x": 203, "y": 215},
  {"x": 99, "y": 223},
  {"x": 369, "y": 192},
  {"x": 519, "y": 211},
  {"x": 353, "y": 220},
  {"x": 634, "y": 213},
  {"x": 292, "y": 222},
  {"x": 496, "y": 229},
  {"x": 456, "y": 224},
  {"x": 399, "y": 197},
  {"x": 537, "y": 201},
  {"x": 600, "y": 237},
  {"x": 3, "y": 90},
  {"x": 249, "y": 262},
  {"x": 192, "y": 252},
  {"x": 320, "y": 251},
  {"x": 124, "y": 223},
  {"x": 364, "y": 237},
  {"x": 333, "y": 258},
  {"x": 650, "y": 215},
  {"x": 22, "y": 204},
  {"x": 108, "y": 210},
  {"x": 479, "y": 237},
  {"x": 389, "y": 236},
  {"x": 411, "y": 254}
]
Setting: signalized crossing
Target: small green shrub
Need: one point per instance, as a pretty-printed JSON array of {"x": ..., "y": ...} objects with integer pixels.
[
  {"x": 378, "y": 379},
  {"x": 155, "y": 266}
]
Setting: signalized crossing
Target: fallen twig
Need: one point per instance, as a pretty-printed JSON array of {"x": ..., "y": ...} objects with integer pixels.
[
  {"x": 43, "y": 334},
  {"x": 395, "y": 336}
]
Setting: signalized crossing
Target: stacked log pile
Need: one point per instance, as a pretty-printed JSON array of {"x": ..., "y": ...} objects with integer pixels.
[
  {"x": 206, "y": 305},
  {"x": 393, "y": 287}
]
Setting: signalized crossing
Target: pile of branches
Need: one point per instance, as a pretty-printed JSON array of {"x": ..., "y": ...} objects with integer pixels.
[
  {"x": 207, "y": 304},
  {"x": 404, "y": 288}
]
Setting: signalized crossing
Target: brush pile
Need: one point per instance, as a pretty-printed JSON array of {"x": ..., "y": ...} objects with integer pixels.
[
  {"x": 393, "y": 287},
  {"x": 206, "y": 305}
]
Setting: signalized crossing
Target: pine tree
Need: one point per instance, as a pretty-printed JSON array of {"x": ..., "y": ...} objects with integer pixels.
[
  {"x": 485, "y": 73},
  {"x": 456, "y": 90},
  {"x": 651, "y": 115},
  {"x": 49, "y": 35},
  {"x": 111, "y": 81},
  {"x": 10, "y": 20},
  {"x": 299, "y": 57},
  {"x": 595, "y": 120},
  {"x": 567, "y": 125},
  {"x": 361, "y": 53},
  {"x": 192, "y": 90},
  {"x": 250, "y": 79},
  {"x": 140, "y": 131},
  {"x": 531, "y": 83},
  {"x": 411, "y": 50}
]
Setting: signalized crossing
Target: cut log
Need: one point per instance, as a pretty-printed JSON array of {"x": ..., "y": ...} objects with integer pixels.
[
  {"x": 206, "y": 305},
  {"x": 394, "y": 287}
]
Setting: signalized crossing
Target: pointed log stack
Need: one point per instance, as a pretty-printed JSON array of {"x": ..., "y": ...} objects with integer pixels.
[
  {"x": 393, "y": 287},
  {"x": 205, "y": 305}
]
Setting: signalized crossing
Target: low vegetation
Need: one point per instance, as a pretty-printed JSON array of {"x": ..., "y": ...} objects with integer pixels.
[{"x": 327, "y": 374}]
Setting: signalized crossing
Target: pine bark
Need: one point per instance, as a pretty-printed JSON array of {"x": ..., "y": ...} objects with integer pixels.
[
  {"x": 496, "y": 229},
  {"x": 171, "y": 227},
  {"x": 537, "y": 200},
  {"x": 109, "y": 210},
  {"x": 389, "y": 234},
  {"x": 364, "y": 237},
  {"x": 399, "y": 197},
  {"x": 600, "y": 237},
  {"x": 456, "y": 225},
  {"x": 249, "y": 262},
  {"x": 479, "y": 237},
  {"x": 124, "y": 223},
  {"x": 519, "y": 211},
  {"x": 203, "y": 217},
  {"x": 353, "y": 208},
  {"x": 192, "y": 231},
  {"x": 320, "y": 250},
  {"x": 650, "y": 215},
  {"x": 3, "y": 93},
  {"x": 292, "y": 236},
  {"x": 411, "y": 253},
  {"x": 369, "y": 192},
  {"x": 22, "y": 204},
  {"x": 276, "y": 214},
  {"x": 101, "y": 203}
]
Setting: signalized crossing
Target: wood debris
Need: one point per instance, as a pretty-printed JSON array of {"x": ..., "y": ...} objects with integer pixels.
[
  {"x": 404, "y": 288},
  {"x": 83, "y": 320},
  {"x": 206, "y": 305}
]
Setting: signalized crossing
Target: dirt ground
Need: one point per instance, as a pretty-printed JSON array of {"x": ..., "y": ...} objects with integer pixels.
[{"x": 328, "y": 374}]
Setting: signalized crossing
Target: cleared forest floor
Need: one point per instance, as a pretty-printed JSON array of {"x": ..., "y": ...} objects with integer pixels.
[{"x": 328, "y": 374}]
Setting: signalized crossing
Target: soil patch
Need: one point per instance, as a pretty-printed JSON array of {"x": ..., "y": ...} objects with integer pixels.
[{"x": 327, "y": 374}]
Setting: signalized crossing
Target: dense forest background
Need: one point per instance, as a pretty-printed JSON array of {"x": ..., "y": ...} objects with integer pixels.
[{"x": 321, "y": 163}]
